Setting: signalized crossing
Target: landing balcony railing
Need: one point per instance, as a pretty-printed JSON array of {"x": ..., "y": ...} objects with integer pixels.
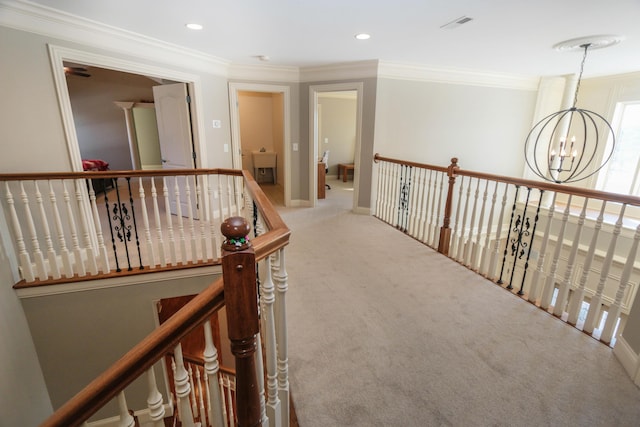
[
  {"x": 231, "y": 223},
  {"x": 571, "y": 251},
  {"x": 76, "y": 226}
]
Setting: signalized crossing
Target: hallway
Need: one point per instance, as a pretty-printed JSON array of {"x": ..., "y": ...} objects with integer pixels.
[{"x": 384, "y": 331}]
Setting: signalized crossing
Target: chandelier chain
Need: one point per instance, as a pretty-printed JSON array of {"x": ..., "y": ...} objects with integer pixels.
[{"x": 584, "y": 58}]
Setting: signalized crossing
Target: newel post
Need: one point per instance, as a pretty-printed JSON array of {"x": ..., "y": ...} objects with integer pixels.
[
  {"x": 240, "y": 295},
  {"x": 445, "y": 231}
]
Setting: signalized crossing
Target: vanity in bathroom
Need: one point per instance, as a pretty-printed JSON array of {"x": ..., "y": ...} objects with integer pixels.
[{"x": 263, "y": 160}]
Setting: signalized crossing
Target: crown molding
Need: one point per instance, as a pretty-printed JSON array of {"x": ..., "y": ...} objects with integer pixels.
[
  {"x": 342, "y": 71},
  {"x": 400, "y": 71},
  {"x": 267, "y": 73},
  {"x": 38, "y": 19}
]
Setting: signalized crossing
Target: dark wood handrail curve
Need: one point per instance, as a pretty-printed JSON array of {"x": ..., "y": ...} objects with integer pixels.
[{"x": 163, "y": 339}]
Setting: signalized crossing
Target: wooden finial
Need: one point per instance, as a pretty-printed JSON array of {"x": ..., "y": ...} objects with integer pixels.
[{"x": 236, "y": 233}]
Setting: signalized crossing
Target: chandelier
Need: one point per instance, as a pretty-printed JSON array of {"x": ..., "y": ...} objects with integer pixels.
[{"x": 567, "y": 146}]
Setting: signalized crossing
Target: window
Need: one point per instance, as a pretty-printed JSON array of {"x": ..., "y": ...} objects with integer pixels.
[{"x": 621, "y": 174}]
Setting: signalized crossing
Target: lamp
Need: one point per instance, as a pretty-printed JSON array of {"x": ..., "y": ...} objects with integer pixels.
[{"x": 564, "y": 146}]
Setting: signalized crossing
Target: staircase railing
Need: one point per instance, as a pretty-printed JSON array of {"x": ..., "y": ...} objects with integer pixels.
[
  {"x": 88, "y": 225},
  {"x": 571, "y": 251},
  {"x": 256, "y": 404}
]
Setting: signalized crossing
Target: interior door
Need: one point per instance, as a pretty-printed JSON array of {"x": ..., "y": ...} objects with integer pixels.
[{"x": 176, "y": 142}]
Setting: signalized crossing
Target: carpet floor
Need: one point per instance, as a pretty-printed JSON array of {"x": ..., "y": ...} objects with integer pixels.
[{"x": 384, "y": 331}]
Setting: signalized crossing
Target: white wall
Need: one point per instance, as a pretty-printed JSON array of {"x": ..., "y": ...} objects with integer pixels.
[
  {"x": 432, "y": 122},
  {"x": 338, "y": 126}
]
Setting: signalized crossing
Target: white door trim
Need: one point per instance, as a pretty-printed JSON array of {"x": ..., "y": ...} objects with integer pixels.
[
  {"x": 314, "y": 90},
  {"x": 236, "y": 145},
  {"x": 58, "y": 55}
]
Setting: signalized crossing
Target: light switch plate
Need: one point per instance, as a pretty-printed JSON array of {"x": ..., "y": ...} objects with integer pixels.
[
  {"x": 217, "y": 124},
  {"x": 225, "y": 147},
  {"x": 295, "y": 146}
]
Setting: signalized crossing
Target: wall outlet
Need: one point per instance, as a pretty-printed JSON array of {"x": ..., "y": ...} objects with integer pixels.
[{"x": 326, "y": 140}]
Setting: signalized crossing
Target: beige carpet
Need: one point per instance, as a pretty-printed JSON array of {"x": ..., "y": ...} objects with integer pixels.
[{"x": 386, "y": 332}]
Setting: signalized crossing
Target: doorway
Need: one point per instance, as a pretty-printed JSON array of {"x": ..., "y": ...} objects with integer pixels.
[
  {"x": 335, "y": 125},
  {"x": 260, "y": 136},
  {"x": 60, "y": 55}
]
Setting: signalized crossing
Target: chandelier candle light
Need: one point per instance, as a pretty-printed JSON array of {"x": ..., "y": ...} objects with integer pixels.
[{"x": 548, "y": 151}]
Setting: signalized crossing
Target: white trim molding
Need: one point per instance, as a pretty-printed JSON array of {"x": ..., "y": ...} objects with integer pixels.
[
  {"x": 49, "y": 22},
  {"x": 342, "y": 71},
  {"x": 415, "y": 72},
  {"x": 267, "y": 73},
  {"x": 628, "y": 359}
]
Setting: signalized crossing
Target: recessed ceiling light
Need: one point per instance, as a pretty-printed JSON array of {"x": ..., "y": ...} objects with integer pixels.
[
  {"x": 363, "y": 36},
  {"x": 194, "y": 26}
]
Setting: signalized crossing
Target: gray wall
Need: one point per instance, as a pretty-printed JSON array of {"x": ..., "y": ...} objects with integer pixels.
[
  {"x": 433, "y": 122},
  {"x": 78, "y": 335},
  {"x": 24, "y": 401}
]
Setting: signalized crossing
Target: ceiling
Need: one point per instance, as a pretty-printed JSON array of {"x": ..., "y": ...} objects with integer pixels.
[{"x": 504, "y": 36}]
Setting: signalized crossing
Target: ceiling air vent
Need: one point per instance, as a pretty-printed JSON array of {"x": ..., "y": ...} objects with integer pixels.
[{"x": 456, "y": 22}]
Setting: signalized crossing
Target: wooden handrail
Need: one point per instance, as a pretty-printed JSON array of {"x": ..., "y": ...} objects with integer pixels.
[
  {"x": 139, "y": 359},
  {"x": 36, "y": 176},
  {"x": 543, "y": 185},
  {"x": 163, "y": 339}
]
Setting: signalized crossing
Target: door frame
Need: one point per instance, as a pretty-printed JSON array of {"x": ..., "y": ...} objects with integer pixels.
[
  {"x": 59, "y": 54},
  {"x": 236, "y": 143},
  {"x": 314, "y": 90}
]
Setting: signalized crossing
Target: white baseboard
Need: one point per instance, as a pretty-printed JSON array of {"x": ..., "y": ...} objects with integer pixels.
[
  {"x": 628, "y": 358},
  {"x": 299, "y": 203},
  {"x": 362, "y": 211}
]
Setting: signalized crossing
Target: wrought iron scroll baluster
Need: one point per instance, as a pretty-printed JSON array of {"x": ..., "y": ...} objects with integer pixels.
[
  {"x": 113, "y": 239},
  {"x": 533, "y": 235},
  {"x": 123, "y": 231},
  {"x": 135, "y": 224},
  {"x": 518, "y": 246},
  {"x": 506, "y": 244}
]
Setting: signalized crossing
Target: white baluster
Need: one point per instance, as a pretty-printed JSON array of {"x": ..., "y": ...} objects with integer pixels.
[
  {"x": 239, "y": 187},
  {"x": 52, "y": 257},
  {"x": 616, "y": 307},
  {"x": 438, "y": 208},
  {"x": 550, "y": 283},
  {"x": 384, "y": 167},
  {"x": 154, "y": 400},
  {"x": 192, "y": 228},
  {"x": 493, "y": 261},
  {"x": 203, "y": 214},
  {"x": 38, "y": 257},
  {"x": 25, "y": 260},
  {"x": 183, "y": 243},
  {"x": 173, "y": 257},
  {"x": 80, "y": 185},
  {"x": 423, "y": 228},
  {"x": 593, "y": 316},
  {"x": 229, "y": 194},
  {"x": 126, "y": 420},
  {"x": 538, "y": 273},
  {"x": 280, "y": 279},
  {"x": 575, "y": 303},
  {"x": 223, "y": 394},
  {"x": 487, "y": 239},
  {"x": 183, "y": 389},
  {"x": 473, "y": 262},
  {"x": 470, "y": 243},
  {"x": 260, "y": 381},
  {"x": 430, "y": 209},
  {"x": 267, "y": 299},
  {"x": 192, "y": 397},
  {"x": 213, "y": 229},
  {"x": 201, "y": 410},
  {"x": 414, "y": 190},
  {"x": 77, "y": 253},
  {"x": 156, "y": 213},
  {"x": 212, "y": 367},
  {"x": 565, "y": 285},
  {"x": 102, "y": 249},
  {"x": 145, "y": 221},
  {"x": 222, "y": 216},
  {"x": 379, "y": 189},
  {"x": 462, "y": 241},
  {"x": 456, "y": 227},
  {"x": 67, "y": 265}
]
